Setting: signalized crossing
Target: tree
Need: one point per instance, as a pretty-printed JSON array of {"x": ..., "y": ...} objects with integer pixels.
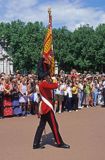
[{"x": 83, "y": 49}]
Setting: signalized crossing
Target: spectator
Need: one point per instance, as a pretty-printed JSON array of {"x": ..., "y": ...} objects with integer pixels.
[
  {"x": 69, "y": 97},
  {"x": 75, "y": 96},
  {"x": 8, "y": 111}
]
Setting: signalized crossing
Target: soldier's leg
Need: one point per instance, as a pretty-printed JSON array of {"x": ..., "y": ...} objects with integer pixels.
[
  {"x": 39, "y": 131},
  {"x": 54, "y": 127}
]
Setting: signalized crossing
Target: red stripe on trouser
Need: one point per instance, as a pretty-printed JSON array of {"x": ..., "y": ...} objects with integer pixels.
[{"x": 55, "y": 128}]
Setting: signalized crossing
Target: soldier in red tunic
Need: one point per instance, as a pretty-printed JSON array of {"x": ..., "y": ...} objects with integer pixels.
[{"x": 47, "y": 113}]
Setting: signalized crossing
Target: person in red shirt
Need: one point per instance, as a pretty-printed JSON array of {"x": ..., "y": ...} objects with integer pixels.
[{"x": 47, "y": 113}]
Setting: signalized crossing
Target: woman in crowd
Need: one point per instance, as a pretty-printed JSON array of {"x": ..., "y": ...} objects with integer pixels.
[
  {"x": 75, "y": 95},
  {"x": 23, "y": 100},
  {"x": 8, "y": 111},
  {"x": 35, "y": 101},
  {"x": 60, "y": 96},
  {"x": 56, "y": 98},
  {"x": 95, "y": 92},
  {"x": 17, "y": 111},
  {"x": 100, "y": 93},
  {"x": 80, "y": 93},
  {"x": 86, "y": 93}
]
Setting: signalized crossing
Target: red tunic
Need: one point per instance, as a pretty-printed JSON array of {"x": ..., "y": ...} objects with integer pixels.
[
  {"x": 8, "y": 111},
  {"x": 45, "y": 89}
]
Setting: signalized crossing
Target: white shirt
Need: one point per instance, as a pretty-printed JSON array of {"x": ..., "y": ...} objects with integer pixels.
[
  {"x": 36, "y": 98},
  {"x": 62, "y": 87},
  {"x": 69, "y": 91},
  {"x": 80, "y": 86},
  {"x": 57, "y": 91}
]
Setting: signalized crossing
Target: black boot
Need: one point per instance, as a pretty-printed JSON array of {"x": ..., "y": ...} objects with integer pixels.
[
  {"x": 36, "y": 146},
  {"x": 63, "y": 145}
]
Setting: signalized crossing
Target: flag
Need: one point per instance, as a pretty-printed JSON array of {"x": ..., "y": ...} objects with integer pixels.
[
  {"x": 48, "y": 38},
  {"x": 48, "y": 45}
]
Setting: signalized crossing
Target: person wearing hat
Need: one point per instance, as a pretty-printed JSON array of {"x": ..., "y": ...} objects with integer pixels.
[{"x": 46, "y": 111}]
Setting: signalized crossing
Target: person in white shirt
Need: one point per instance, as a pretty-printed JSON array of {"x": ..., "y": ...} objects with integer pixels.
[
  {"x": 56, "y": 97},
  {"x": 80, "y": 94},
  {"x": 69, "y": 97},
  {"x": 59, "y": 97}
]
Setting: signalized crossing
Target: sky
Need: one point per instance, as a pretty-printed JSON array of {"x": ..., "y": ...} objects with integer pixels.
[{"x": 69, "y": 13}]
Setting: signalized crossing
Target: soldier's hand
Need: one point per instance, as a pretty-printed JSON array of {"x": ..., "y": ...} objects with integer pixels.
[{"x": 54, "y": 79}]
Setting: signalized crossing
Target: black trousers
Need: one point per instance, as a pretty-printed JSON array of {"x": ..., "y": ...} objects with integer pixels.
[
  {"x": 75, "y": 101},
  {"x": 50, "y": 118}
]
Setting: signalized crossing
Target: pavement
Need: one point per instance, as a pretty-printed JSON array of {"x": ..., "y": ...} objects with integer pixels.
[{"x": 83, "y": 130}]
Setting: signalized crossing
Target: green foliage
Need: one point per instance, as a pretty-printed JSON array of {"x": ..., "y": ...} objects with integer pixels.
[{"x": 83, "y": 49}]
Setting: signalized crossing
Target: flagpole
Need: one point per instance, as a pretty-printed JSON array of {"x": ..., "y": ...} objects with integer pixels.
[
  {"x": 50, "y": 17},
  {"x": 52, "y": 54}
]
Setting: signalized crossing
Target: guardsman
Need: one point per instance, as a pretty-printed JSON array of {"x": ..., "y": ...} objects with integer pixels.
[{"x": 46, "y": 111}]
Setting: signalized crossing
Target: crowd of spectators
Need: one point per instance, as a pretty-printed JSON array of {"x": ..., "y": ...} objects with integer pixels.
[{"x": 19, "y": 94}]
